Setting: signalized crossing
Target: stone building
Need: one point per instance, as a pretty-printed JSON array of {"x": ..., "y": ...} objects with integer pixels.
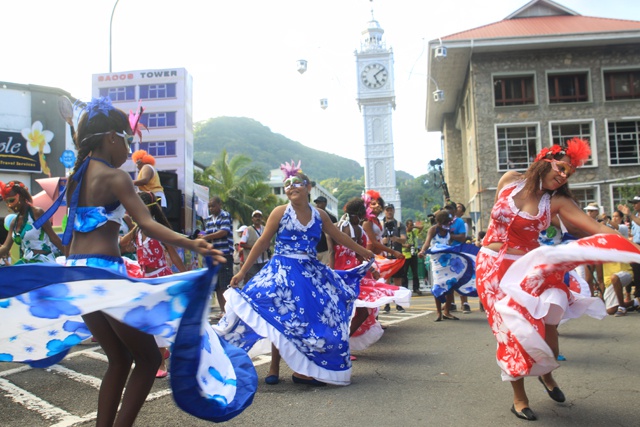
[{"x": 501, "y": 92}]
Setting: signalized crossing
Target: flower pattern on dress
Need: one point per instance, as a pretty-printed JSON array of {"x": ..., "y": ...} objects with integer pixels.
[{"x": 302, "y": 299}]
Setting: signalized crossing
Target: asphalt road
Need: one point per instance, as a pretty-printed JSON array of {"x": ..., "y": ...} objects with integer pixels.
[{"x": 419, "y": 373}]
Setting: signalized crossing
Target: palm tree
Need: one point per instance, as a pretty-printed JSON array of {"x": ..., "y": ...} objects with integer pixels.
[{"x": 240, "y": 186}]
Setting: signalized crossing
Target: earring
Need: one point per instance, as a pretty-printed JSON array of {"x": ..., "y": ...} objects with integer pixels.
[{"x": 540, "y": 185}]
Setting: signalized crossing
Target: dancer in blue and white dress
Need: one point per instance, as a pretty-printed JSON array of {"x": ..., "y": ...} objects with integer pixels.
[
  {"x": 302, "y": 306},
  {"x": 47, "y": 309}
]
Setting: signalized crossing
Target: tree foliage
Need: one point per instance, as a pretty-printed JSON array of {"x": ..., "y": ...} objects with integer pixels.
[{"x": 239, "y": 185}]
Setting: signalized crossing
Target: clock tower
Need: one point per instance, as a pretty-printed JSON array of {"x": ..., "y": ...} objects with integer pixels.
[{"x": 377, "y": 100}]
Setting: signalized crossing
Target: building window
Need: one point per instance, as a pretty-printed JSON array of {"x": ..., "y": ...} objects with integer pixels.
[
  {"x": 624, "y": 141},
  {"x": 621, "y": 194},
  {"x": 122, "y": 93},
  {"x": 568, "y": 87},
  {"x": 159, "y": 148},
  {"x": 621, "y": 85},
  {"x": 585, "y": 195},
  {"x": 563, "y": 132},
  {"x": 158, "y": 91},
  {"x": 159, "y": 120},
  {"x": 517, "y": 146},
  {"x": 513, "y": 90}
]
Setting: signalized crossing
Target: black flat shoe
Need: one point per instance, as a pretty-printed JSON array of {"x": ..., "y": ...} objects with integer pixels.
[
  {"x": 525, "y": 414},
  {"x": 449, "y": 317},
  {"x": 556, "y": 394},
  {"x": 312, "y": 381},
  {"x": 438, "y": 319}
]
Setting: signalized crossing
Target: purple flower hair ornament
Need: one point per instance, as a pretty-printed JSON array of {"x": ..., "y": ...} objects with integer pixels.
[
  {"x": 290, "y": 169},
  {"x": 100, "y": 105}
]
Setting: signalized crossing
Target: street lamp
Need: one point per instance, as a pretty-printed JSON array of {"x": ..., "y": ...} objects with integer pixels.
[
  {"x": 437, "y": 164},
  {"x": 110, "y": 30}
]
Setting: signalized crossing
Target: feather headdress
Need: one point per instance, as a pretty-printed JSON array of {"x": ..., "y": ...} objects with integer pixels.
[
  {"x": 5, "y": 189},
  {"x": 367, "y": 197},
  {"x": 290, "y": 169},
  {"x": 100, "y": 105},
  {"x": 577, "y": 150},
  {"x": 134, "y": 121}
]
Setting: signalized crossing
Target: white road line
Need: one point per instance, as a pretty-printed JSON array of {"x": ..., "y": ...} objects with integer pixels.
[
  {"x": 413, "y": 316},
  {"x": 77, "y": 376},
  {"x": 34, "y": 403}
]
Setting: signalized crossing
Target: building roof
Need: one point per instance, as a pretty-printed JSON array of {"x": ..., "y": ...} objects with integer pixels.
[
  {"x": 540, "y": 24},
  {"x": 544, "y": 26}
]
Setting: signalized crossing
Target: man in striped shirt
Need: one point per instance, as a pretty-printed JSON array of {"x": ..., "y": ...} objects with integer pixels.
[{"x": 219, "y": 231}]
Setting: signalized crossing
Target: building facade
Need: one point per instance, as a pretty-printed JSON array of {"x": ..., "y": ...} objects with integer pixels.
[
  {"x": 31, "y": 111},
  {"x": 167, "y": 98},
  {"x": 541, "y": 76}
]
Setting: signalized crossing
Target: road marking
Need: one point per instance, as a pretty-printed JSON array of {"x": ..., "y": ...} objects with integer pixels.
[{"x": 63, "y": 418}]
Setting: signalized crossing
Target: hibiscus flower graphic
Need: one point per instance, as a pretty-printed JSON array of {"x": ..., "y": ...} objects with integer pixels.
[
  {"x": 38, "y": 142},
  {"x": 50, "y": 302}
]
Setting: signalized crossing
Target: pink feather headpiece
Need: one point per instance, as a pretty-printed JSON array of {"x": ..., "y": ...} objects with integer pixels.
[
  {"x": 577, "y": 150},
  {"x": 134, "y": 121},
  {"x": 290, "y": 169},
  {"x": 367, "y": 198}
]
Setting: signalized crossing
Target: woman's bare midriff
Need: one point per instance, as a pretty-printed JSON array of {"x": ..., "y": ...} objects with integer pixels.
[{"x": 496, "y": 246}]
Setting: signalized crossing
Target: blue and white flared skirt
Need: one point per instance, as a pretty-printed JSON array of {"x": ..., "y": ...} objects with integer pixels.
[
  {"x": 304, "y": 308},
  {"x": 40, "y": 312}
]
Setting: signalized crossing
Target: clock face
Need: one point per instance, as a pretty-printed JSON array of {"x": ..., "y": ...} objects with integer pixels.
[{"x": 374, "y": 76}]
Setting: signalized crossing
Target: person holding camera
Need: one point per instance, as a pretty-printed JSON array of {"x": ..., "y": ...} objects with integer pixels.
[
  {"x": 394, "y": 236},
  {"x": 410, "y": 251}
]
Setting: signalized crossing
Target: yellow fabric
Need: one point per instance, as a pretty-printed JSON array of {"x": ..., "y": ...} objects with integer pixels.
[
  {"x": 610, "y": 268},
  {"x": 153, "y": 185}
]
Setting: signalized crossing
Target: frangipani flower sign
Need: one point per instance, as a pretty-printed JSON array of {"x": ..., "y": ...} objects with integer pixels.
[
  {"x": 38, "y": 143},
  {"x": 25, "y": 151}
]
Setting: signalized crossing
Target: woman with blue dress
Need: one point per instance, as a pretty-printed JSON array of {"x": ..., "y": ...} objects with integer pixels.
[
  {"x": 47, "y": 309},
  {"x": 299, "y": 304}
]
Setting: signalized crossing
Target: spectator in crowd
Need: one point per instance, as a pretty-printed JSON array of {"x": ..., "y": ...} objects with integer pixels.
[
  {"x": 410, "y": 251},
  {"x": 219, "y": 231},
  {"x": 394, "y": 236},
  {"x": 635, "y": 236},
  {"x": 593, "y": 210},
  {"x": 325, "y": 245},
  {"x": 249, "y": 237},
  {"x": 615, "y": 276}
]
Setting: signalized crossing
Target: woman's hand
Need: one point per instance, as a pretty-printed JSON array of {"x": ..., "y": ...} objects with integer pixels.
[
  {"x": 206, "y": 249},
  {"x": 237, "y": 279},
  {"x": 421, "y": 254}
]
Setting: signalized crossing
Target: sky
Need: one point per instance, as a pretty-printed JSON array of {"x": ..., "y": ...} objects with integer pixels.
[{"x": 242, "y": 56}]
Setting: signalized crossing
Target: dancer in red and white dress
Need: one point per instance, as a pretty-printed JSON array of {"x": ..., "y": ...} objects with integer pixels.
[
  {"x": 526, "y": 299},
  {"x": 374, "y": 292}
]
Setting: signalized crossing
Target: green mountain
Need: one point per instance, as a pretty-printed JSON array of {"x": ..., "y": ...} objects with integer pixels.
[{"x": 241, "y": 135}]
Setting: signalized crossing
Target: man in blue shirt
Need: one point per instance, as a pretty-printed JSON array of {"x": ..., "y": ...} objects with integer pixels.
[{"x": 219, "y": 231}]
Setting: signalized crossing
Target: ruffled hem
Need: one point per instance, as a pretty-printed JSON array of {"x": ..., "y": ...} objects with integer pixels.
[
  {"x": 538, "y": 268},
  {"x": 297, "y": 361},
  {"x": 367, "y": 338},
  {"x": 401, "y": 296}
]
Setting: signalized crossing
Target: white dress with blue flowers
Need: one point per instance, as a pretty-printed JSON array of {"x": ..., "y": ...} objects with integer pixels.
[
  {"x": 452, "y": 268},
  {"x": 302, "y": 306}
]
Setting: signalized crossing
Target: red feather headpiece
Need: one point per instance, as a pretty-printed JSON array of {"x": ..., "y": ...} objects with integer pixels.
[
  {"x": 5, "y": 189},
  {"x": 367, "y": 198},
  {"x": 577, "y": 150}
]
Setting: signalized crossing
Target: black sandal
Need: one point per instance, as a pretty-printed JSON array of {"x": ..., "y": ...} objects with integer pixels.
[
  {"x": 449, "y": 317},
  {"x": 438, "y": 319}
]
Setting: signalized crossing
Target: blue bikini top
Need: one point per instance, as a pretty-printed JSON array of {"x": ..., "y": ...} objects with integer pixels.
[{"x": 83, "y": 218}]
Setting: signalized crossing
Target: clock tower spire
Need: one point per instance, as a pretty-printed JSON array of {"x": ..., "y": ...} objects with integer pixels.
[{"x": 377, "y": 100}]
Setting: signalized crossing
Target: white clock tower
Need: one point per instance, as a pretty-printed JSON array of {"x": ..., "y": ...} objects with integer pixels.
[{"x": 377, "y": 100}]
